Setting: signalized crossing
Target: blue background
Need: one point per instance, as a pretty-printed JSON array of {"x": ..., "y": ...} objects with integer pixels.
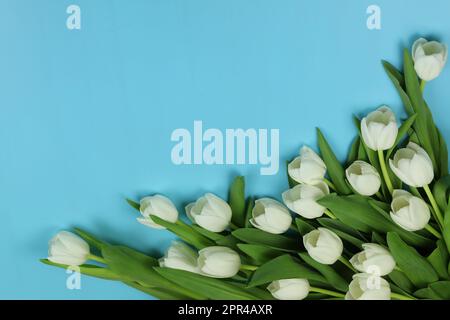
[{"x": 86, "y": 116}]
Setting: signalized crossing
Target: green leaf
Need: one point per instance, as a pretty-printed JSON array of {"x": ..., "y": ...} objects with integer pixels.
[
  {"x": 131, "y": 265},
  {"x": 135, "y": 205},
  {"x": 424, "y": 125},
  {"x": 415, "y": 267},
  {"x": 354, "y": 150},
  {"x": 214, "y": 236},
  {"x": 441, "y": 289},
  {"x": 332, "y": 277},
  {"x": 437, "y": 291},
  {"x": 229, "y": 241},
  {"x": 260, "y": 254},
  {"x": 275, "y": 241},
  {"x": 236, "y": 199},
  {"x": 439, "y": 260},
  {"x": 210, "y": 288},
  {"x": 292, "y": 183},
  {"x": 446, "y": 228},
  {"x": 356, "y": 211},
  {"x": 401, "y": 280},
  {"x": 248, "y": 214},
  {"x": 377, "y": 238},
  {"x": 283, "y": 267},
  {"x": 87, "y": 269},
  {"x": 443, "y": 153},
  {"x": 89, "y": 238},
  {"x": 334, "y": 168},
  {"x": 441, "y": 191},
  {"x": 185, "y": 232},
  {"x": 344, "y": 232},
  {"x": 381, "y": 207},
  {"x": 399, "y": 83},
  {"x": 303, "y": 226},
  {"x": 402, "y": 132}
]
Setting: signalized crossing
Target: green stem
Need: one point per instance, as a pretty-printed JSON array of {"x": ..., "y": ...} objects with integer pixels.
[
  {"x": 400, "y": 297},
  {"x": 327, "y": 292},
  {"x": 293, "y": 227},
  {"x": 422, "y": 85},
  {"x": 329, "y": 183},
  {"x": 347, "y": 263},
  {"x": 385, "y": 171},
  {"x": 96, "y": 258},
  {"x": 435, "y": 206},
  {"x": 433, "y": 231},
  {"x": 330, "y": 214},
  {"x": 248, "y": 267}
]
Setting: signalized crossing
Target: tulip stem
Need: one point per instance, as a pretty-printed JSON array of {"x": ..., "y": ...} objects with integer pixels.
[
  {"x": 327, "y": 292},
  {"x": 248, "y": 267},
  {"x": 96, "y": 258},
  {"x": 433, "y": 231},
  {"x": 397, "y": 296},
  {"x": 330, "y": 214},
  {"x": 437, "y": 211},
  {"x": 422, "y": 85},
  {"x": 329, "y": 183},
  {"x": 385, "y": 171},
  {"x": 347, "y": 263}
]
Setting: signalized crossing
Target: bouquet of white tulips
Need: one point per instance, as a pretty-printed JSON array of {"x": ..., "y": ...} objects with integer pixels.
[{"x": 376, "y": 227}]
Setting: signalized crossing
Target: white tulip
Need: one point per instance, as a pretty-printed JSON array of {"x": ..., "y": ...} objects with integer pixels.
[
  {"x": 302, "y": 199},
  {"x": 270, "y": 216},
  {"x": 210, "y": 212},
  {"x": 180, "y": 256},
  {"x": 323, "y": 245},
  {"x": 363, "y": 178},
  {"x": 69, "y": 249},
  {"x": 409, "y": 212},
  {"x": 429, "y": 58},
  {"x": 413, "y": 166},
  {"x": 159, "y": 206},
  {"x": 366, "y": 286},
  {"x": 289, "y": 289},
  {"x": 307, "y": 168},
  {"x": 373, "y": 259},
  {"x": 218, "y": 262},
  {"x": 379, "y": 129}
]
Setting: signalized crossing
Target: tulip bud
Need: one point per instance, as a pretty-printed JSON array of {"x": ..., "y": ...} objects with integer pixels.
[
  {"x": 159, "y": 206},
  {"x": 210, "y": 212},
  {"x": 323, "y": 245},
  {"x": 270, "y": 216},
  {"x": 429, "y": 58},
  {"x": 218, "y": 262},
  {"x": 373, "y": 259},
  {"x": 307, "y": 168},
  {"x": 412, "y": 165},
  {"x": 409, "y": 212},
  {"x": 180, "y": 256},
  {"x": 363, "y": 178},
  {"x": 69, "y": 249},
  {"x": 379, "y": 129},
  {"x": 302, "y": 199},
  {"x": 366, "y": 286},
  {"x": 289, "y": 289}
]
